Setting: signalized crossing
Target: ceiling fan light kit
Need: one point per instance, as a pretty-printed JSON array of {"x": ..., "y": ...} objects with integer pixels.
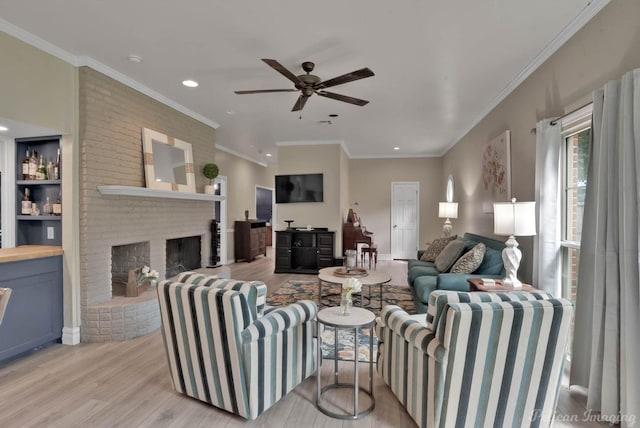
[{"x": 309, "y": 84}]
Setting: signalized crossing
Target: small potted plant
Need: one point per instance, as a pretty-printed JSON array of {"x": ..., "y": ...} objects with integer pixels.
[{"x": 210, "y": 171}]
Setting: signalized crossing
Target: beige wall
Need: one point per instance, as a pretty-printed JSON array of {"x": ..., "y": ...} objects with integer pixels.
[
  {"x": 305, "y": 159},
  {"x": 242, "y": 177},
  {"x": 37, "y": 88},
  {"x": 40, "y": 89},
  {"x": 370, "y": 195},
  {"x": 603, "y": 50}
]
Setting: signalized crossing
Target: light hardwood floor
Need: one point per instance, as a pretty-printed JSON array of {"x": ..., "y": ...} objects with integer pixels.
[{"x": 127, "y": 384}]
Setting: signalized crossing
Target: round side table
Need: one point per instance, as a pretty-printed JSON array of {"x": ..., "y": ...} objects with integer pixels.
[
  {"x": 371, "y": 279},
  {"x": 356, "y": 320}
]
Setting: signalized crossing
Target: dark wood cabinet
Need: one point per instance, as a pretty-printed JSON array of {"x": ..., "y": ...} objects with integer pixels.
[
  {"x": 250, "y": 239},
  {"x": 303, "y": 251}
]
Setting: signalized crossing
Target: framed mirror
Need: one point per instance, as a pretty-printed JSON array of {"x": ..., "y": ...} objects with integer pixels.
[
  {"x": 168, "y": 162},
  {"x": 449, "y": 190}
]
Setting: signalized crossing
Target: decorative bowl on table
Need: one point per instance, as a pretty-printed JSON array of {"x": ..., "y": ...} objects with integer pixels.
[{"x": 350, "y": 272}]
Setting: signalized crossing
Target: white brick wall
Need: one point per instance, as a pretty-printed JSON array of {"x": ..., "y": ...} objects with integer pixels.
[{"x": 111, "y": 118}]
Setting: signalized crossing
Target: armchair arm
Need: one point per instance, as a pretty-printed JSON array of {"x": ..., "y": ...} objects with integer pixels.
[
  {"x": 408, "y": 328},
  {"x": 280, "y": 319}
]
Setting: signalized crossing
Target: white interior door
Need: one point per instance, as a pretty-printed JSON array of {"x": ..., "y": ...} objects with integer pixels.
[{"x": 405, "y": 197}]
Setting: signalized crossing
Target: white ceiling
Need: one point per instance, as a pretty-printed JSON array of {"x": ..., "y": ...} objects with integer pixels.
[{"x": 439, "y": 66}]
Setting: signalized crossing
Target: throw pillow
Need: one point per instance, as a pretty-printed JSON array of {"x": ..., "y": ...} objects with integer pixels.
[
  {"x": 449, "y": 255},
  {"x": 491, "y": 263},
  {"x": 470, "y": 261},
  {"x": 436, "y": 248}
]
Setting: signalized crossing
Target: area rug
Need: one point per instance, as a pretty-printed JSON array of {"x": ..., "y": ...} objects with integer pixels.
[{"x": 293, "y": 291}]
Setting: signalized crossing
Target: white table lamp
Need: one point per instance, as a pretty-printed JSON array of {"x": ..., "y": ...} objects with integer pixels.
[
  {"x": 448, "y": 210},
  {"x": 513, "y": 219}
]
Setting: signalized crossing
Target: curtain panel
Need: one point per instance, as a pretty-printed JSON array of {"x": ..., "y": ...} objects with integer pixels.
[
  {"x": 546, "y": 244},
  {"x": 606, "y": 348}
]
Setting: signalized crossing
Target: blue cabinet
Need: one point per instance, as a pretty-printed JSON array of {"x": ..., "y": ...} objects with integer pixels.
[{"x": 34, "y": 316}]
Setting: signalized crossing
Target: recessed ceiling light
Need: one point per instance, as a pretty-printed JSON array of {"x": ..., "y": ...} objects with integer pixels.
[
  {"x": 333, "y": 115},
  {"x": 135, "y": 58},
  {"x": 3, "y": 128},
  {"x": 190, "y": 83},
  {"x": 268, "y": 155},
  {"x": 396, "y": 148},
  {"x": 231, "y": 112}
]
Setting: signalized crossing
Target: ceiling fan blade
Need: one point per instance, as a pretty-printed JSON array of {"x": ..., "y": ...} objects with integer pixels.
[
  {"x": 282, "y": 70},
  {"x": 349, "y": 77},
  {"x": 261, "y": 91},
  {"x": 299, "y": 105},
  {"x": 346, "y": 99}
]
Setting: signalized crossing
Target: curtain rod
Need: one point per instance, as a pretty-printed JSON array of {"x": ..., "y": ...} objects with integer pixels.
[{"x": 554, "y": 121}]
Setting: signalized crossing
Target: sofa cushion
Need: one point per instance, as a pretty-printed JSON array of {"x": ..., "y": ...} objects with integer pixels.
[
  {"x": 418, "y": 271},
  {"x": 436, "y": 248},
  {"x": 415, "y": 262},
  {"x": 491, "y": 263},
  {"x": 470, "y": 261},
  {"x": 449, "y": 255}
]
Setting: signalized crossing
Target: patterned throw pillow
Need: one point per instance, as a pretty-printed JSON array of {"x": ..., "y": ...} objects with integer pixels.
[
  {"x": 470, "y": 261},
  {"x": 449, "y": 255},
  {"x": 436, "y": 248}
]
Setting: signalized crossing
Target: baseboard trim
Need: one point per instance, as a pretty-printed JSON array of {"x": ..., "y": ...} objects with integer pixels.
[{"x": 71, "y": 335}]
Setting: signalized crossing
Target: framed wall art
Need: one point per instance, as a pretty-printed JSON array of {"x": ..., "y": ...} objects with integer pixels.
[
  {"x": 496, "y": 167},
  {"x": 168, "y": 162}
]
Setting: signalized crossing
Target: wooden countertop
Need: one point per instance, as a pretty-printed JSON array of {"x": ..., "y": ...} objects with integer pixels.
[{"x": 26, "y": 252}]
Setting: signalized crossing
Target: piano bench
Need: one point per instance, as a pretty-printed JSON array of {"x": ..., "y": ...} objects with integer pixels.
[{"x": 372, "y": 251}]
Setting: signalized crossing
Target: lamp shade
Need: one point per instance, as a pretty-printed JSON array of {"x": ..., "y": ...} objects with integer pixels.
[
  {"x": 514, "y": 218},
  {"x": 448, "y": 210}
]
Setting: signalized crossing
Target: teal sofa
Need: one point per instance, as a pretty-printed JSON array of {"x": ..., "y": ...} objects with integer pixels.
[{"x": 423, "y": 277}]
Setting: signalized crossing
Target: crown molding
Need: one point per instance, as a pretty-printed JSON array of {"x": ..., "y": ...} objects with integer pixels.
[
  {"x": 317, "y": 143},
  {"x": 587, "y": 13},
  {"x": 240, "y": 155},
  {"x": 79, "y": 61},
  {"x": 397, "y": 157}
]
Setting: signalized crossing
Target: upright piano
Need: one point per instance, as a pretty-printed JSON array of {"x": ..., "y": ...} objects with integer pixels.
[{"x": 354, "y": 233}]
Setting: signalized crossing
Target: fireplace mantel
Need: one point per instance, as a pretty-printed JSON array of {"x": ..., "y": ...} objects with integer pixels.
[{"x": 143, "y": 192}]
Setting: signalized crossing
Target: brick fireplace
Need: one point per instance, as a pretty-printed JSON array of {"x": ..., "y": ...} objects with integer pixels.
[{"x": 111, "y": 118}]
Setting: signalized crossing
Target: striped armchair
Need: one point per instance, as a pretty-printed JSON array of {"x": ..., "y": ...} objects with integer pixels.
[
  {"x": 477, "y": 359},
  {"x": 223, "y": 351}
]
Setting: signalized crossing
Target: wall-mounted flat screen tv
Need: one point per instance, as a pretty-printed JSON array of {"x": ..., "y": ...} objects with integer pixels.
[{"x": 299, "y": 188}]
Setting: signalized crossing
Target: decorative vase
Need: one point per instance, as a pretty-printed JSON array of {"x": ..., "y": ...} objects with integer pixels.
[
  {"x": 345, "y": 305},
  {"x": 209, "y": 189}
]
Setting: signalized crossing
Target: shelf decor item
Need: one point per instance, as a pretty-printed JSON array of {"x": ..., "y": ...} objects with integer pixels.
[
  {"x": 139, "y": 280},
  {"x": 210, "y": 171}
]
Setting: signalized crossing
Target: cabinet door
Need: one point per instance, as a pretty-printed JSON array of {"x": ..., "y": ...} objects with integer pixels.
[
  {"x": 283, "y": 251},
  {"x": 325, "y": 250}
]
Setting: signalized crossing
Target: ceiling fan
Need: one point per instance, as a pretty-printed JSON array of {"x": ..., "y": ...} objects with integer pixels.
[{"x": 309, "y": 84}]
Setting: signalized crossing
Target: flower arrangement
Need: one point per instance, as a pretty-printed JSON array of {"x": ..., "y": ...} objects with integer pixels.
[
  {"x": 145, "y": 274},
  {"x": 350, "y": 286}
]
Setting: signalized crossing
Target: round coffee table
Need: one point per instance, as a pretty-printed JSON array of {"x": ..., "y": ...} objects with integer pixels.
[
  {"x": 356, "y": 320},
  {"x": 370, "y": 279}
]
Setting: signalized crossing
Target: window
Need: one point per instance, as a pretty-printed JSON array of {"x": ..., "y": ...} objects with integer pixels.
[{"x": 576, "y": 131}]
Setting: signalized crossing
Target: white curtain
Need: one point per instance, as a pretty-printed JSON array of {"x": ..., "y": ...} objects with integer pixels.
[
  {"x": 606, "y": 348},
  {"x": 546, "y": 244}
]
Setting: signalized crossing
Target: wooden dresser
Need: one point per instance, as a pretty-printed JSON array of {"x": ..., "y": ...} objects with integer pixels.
[{"x": 250, "y": 239}]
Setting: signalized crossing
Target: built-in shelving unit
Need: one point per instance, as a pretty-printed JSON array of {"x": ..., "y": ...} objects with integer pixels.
[
  {"x": 38, "y": 229},
  {"x": 143, "y": 192}
]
